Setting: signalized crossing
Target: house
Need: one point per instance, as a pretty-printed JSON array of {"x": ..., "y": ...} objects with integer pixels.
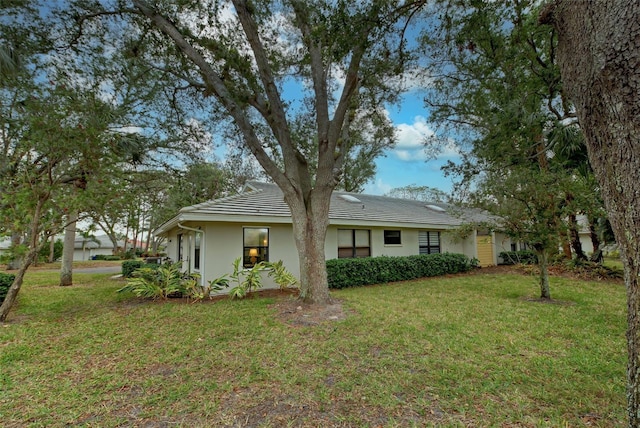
[
  {"x": 87, "y": 248},
  {"x": 255, "y": 225}
]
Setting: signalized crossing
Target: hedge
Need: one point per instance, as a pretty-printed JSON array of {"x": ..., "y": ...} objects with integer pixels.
[
  {"x": 343, "y": 273},
  {"x": 108, "y": 257},
  {"x": 526, "y": 257},
  {"x": 6, "y": 279}
]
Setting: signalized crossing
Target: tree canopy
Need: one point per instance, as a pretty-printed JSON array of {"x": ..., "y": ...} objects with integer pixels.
[
  {"x": 498, "y": 91},
  {"x": 299, "y": 90}
]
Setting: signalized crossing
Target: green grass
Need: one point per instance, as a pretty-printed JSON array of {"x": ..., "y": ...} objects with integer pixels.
[{"x": 456, "y": 351}]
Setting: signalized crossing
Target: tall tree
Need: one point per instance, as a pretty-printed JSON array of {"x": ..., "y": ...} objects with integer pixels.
[
  {"x": 246, "y": 56},
  {"x": 599, "y": 56},
  {"x": 64, "y": 123},
  {"x": 498, "y": 90}
]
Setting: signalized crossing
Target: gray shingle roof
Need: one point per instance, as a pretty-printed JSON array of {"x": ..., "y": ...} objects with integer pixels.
[{"x": 264, "y": 201}]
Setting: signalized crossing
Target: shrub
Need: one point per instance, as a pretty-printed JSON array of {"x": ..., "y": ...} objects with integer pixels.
[
  {"x": 43, "y": 254},
  {"x": 248, "y": 280},
  {"x": 6, "y": 279},
  {"x": 107, "y": 257},
  {"x": 344, "y": 273},
  {"x": 130, "y": 266},
  {"x": 589, "y": 269},
  {"x": 162, "y": 282},
  {"x": 525, "y": 257}
]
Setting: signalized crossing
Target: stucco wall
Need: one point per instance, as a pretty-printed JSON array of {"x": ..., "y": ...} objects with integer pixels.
[
  {"x": 79, "y": 255},
  {"x": 223, "y": 243}
]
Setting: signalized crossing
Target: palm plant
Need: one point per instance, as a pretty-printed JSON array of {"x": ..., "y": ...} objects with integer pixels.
[{"x": 165, "y": 281}]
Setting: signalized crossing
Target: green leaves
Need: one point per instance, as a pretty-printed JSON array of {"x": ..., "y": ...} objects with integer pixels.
[
  {"x": 281, "y": 275},
  {"x": 357, "y": 272},
  {"x": 248, "y": 280},
  {"x": 167, "y": 280}
]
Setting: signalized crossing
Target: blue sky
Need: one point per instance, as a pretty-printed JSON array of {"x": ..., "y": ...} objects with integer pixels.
[{"x": 408, "y": 163}]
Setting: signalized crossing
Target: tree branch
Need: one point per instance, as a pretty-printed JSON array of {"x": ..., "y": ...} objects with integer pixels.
[{"x": 217, "y": 86}]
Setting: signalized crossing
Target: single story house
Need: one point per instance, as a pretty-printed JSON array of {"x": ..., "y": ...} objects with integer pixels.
[
  {"x": 87, "y": 248},
  {"x": 255, "y": 225}
]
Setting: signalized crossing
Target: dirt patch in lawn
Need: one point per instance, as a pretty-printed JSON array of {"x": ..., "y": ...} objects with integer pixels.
[
  {"x": 294, "y": 312},
  {"x": 287, "y": 307}
]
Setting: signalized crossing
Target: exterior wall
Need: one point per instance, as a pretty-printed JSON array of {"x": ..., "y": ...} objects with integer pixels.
[
  {"x": 451, "y": 244},
  {"x": 587, "y": 245},
  {"x": 409, "y": 242},
  {"x": 223, "y": 243},
  {"x": 79, "y": 255}
]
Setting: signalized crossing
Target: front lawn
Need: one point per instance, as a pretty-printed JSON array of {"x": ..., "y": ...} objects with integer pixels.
[{"x": 467, "y": 350}]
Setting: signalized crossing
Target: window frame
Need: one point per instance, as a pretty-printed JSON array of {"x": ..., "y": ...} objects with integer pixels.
[
  {"x": 432, "y": 236},
  {"x": 388, "y": 240},
  {"x": 354, "y": 250},
  {"x": 262, "y": 250}
]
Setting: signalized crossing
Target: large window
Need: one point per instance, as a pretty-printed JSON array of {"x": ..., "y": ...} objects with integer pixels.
[
  {"x": 353, "y": 243},
  {"x": 429, "y": 242},
  {"x": 392, "y": 237},
  {"x": 255, "y": 246}
]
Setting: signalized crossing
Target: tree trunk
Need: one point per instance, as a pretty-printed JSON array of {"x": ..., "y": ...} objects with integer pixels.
[
  {"x": 543, "y": 265},
  {"x": 114, "y": 241},
  {"x": 52, "y": 249},
  {"x": 599, "y": 57},
  {"x": 66, "y": 269},
  {"x": 593, "y": 234},
  {"x": 310, "y": 219},
  {"x": 575, "y": 237},
  {"x": 32, "y": 254},
  {"x": 566, "y": 247}
]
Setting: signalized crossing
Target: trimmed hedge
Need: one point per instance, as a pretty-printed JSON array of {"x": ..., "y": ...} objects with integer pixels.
[
  {"x": 6, "y": 279},
  {"x": 107, "y": 257},
  {"x": 343, "y": 273},
  {"x": 526, "y": 257}
]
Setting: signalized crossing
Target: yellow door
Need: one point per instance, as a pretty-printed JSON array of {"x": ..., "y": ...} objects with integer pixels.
[{"x": 485, "y": 250}]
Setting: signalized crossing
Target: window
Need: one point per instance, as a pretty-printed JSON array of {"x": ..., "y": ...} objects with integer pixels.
[
  {"x": 353, "y": 243},
  {"x": 392, "y": 237},
  {"x": 196, "y": 251},
  {"x": 180, "y": 247},
  {"x": 255, "y": 246},
  {"x": 429, "y": 242}
]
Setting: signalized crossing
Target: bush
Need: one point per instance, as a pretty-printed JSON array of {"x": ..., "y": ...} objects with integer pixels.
[
  {"x": 43, "y": 255},
  {"x": 162, "y": 282},
  {"x": 107, "y": 257},
  {"x": 343, "y": 273},
  {"x": 130, "y": 266},
  {"x": 6, "y": 279},
  {"x": 525, "y": 257}
]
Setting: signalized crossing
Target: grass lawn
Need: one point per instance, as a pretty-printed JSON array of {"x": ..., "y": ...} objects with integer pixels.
[{"x": 468, "y": 350}]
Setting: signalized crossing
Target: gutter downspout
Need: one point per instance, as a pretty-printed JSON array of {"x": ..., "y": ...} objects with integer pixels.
[{"x": 202, "y": 250}]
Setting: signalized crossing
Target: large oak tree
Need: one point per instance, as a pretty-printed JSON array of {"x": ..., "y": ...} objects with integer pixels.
[
  {"x": 258, "y": 64},
  {"x": 599, "y": 56}
]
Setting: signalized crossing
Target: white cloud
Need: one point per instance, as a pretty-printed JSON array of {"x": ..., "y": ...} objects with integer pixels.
[
  {"x": 411, "y": 139},
  {"x": 377, "y": 188},
  {"x": 412, "y": 136}
]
